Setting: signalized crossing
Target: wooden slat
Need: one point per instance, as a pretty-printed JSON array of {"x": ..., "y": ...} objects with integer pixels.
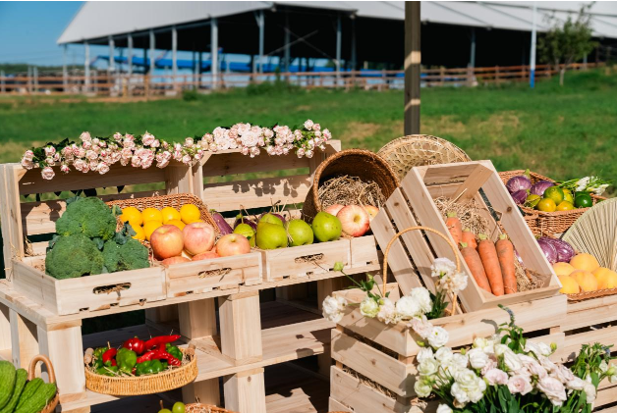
[
  {"x": 12, "y": 232},
  {"x": 591, "y": 312},
  {"x": 350, "y": 392},
  {"x": 241, "y": 325},
  {"x": 226, "y": 164},
  {"x": 245, "y": 392}
]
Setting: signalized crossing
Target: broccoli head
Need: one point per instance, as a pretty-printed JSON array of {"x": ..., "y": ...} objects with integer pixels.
[
  {"x": 131, "y": 255},
  {"x": 73, "y": 256},
  {"x": 88, "y": 215}
]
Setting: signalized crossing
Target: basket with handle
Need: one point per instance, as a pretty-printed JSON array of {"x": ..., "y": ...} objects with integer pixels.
[
  {"x": 384, "y": 275},
  {"x": 51, "y": 405},
  {"x": 171, "y": 200},
  {"x": 547, "y": 223}
]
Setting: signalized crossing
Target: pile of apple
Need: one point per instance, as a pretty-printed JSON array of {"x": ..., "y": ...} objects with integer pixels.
[{"x": 195, "y": 242}]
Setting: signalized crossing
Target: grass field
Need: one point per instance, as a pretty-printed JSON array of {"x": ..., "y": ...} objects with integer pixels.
[{"x": 559, "y": 132}]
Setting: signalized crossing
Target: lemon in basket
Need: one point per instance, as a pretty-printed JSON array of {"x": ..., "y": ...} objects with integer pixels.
[
  {"x": 132, "y": 215},
  {"x": 140, "y": 234},
  {"x": 149, "y": 228},
  {"x": 190, "y": 213},
  {"x": 554, "y": 193},
  {"x": 170, "y": 213},
  {"x": 179, "y": 224},
  {"x": 151, "y": 214},
  {"x": 546, "y": 204},
  {"x": 565, "y": 206}
]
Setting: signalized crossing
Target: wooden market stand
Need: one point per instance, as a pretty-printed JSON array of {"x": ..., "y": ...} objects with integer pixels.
[{"x": 41, "y": 315}]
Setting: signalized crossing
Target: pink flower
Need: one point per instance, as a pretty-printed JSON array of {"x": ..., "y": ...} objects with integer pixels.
[
  {"x": 50, "y": 151},
  {"x": 553, "y": 389},
  {"x": 85, "y": 136},
  {"x": 102, "y": 168},
  {"x": 300, "y": 152},
  {"x": 79, "y": 164},
  {"x": 308, "y": 124},
  {"x": 187, "y": 159},
  {"x": 309, "y": 153},
  {"x": 128, "y": 143},
  {"x": 496, "y": 377},
  {"x": 26, "y": 163},
  {"x": 326, "y": 134},
  {"x": 29, "y": 155},
  {"x": 65, "y": 168},
  {"x": 47, "y": 173},
  {"x": 96, "y": 141},
  {"x": 148, "y": 139},
  {"x": 519, "y": 384},
  {"x": 155, "y": 144},
  {"x": 86, "y": 145},
  {"x": 244, "y": 151},
  {"x": 135, "y": 161},
  {"x": 91, "y": 155},
  {"x": 421, "y": 326},
  {"x": 118, "y": 136},
  {"x": 188, "y": 142}
]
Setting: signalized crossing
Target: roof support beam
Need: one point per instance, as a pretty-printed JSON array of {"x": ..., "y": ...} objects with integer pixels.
[
  {"x": 339, "y": 36},
  {"x": 413, "y": 60},
  {"x": 532, "y": 52},
  {"x": 112, "y": 54},
  {"x": 129, "y": 40},
  {"x": 214, "y": 51},
  {"x": 174, "y": 52},
  {"x": 152, "y": 49},
  {"x": 65, "y": 74},
  {"x": 354, "y": 57},
  {"x": 287, "y": 43},
  {"x": 86, "y": 67},
  {"x": 261, "y": 23},
  {"x": 472, "y": 51}
]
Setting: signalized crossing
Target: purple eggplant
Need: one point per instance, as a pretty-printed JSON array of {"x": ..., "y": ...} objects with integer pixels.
[
  {"x": 224, "y": 227},
  {"x": 241, "y": 219}
]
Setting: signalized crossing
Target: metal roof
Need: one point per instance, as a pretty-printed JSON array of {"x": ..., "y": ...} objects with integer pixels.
[{"x": 96, "y": 20}]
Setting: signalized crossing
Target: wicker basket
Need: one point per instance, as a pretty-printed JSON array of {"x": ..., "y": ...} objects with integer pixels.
[
  {"x": 416, "y": 150},
  {"x": 150, "y": 384},
  {"x": 594, "y": 294},
  {"x": 354, "y": 162},
  {"x": 173, "y": 200},
  {"x": 205, "y": 408},
  {"x": 544, "y": 223},
  {"x": 51, "y": 405}
]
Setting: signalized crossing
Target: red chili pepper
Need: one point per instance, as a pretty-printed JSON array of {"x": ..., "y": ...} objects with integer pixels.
[
  {"x": 146, "y": 357},
  {"x": 171, "y": 360},
  {"x": 162, "y": 347},
  {"x": 151, "y": 343},
  {"x": 109, "y": 354},
  {"x": 135, "y": 344},
  {"x": 113, "y": 363}
]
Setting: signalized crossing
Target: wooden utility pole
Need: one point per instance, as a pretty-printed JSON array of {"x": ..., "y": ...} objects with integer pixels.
[{"x": 412, "y": 67}]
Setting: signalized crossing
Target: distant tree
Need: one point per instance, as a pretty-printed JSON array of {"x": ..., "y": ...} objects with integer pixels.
[{"x": 567, "y": 42}]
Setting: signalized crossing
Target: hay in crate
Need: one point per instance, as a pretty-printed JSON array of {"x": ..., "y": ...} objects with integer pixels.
[{"x": 346, "y": 190}]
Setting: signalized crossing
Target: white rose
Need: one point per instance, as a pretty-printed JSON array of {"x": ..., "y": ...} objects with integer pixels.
[
  {"x": 308, "y": 124},
  {"x": 442, "y": 266},
  {"x": 519, "y": 384},
  {"x": 603, "y": 366},
  {"x": 460, "y": 360},
  {"x": 539, "y": 348},
  {"x": 423, "y": 297},
  {"x": 477, "y": 358},
  {"x": 423, "y": 388},
  {"x": 496, "y": 377},
  {"x": 428, "y": 367},
  {"x": 459, "y": 393},
  {"x": 332, "y": 308},
  {"x": 369, "y": 307},
  {"x": 590, "y": 392},
  {"x": 424, "y": 354},
  {"x": 482, "y": 343},
  {"x": 575, "y": 384},
  {"x": 443, "y": 409},
  {"x": 444, "y": 354},
  {"x": 421, "y": 326},
  {"x": 47, "y": 173},
  {"x": 512, "y": 361},
  {"x": 387, "y": 312},
  {"x": 500, "y": 349},
  {"x": 407, "y": 306},
  {"x": 553, "y": 389},
  {"x": 438, "y": 337}
]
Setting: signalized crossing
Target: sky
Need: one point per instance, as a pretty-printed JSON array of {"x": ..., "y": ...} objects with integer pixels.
[{"x": 29, "y": 30}]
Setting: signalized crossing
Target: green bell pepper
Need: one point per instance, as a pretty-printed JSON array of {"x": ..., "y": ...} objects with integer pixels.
[
  {"x": 126, "y": 360},
  {"x": 109, "y": 371},
  {"x": 175, "y": 351},
  {"x": 149, "y": 367},
  {"x": 98, "y": 356}
]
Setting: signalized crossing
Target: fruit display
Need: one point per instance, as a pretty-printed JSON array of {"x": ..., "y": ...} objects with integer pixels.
[
  {"x": 87, "y": 243},
  {"x": 136, "y": 357},
  {"x": 18, "y": 395},
  {"x": 583, "y": 273}
]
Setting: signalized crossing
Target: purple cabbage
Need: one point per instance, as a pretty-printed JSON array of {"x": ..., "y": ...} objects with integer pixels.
[
  {"x": 520, "y": 182},
  {"x": 548, "y": 249},
  {"x": 540, "y": 187},
  {"x": 520, "y": 196},
  {"x": 565, "y": 252},
  {"x": 240, "y": 219}
]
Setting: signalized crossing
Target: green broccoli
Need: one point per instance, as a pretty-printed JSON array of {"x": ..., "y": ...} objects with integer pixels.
[
  {"x": 73, "y": 256},
  {"x": 89, "y": 216},
  {"x": 131, "y": 255}
]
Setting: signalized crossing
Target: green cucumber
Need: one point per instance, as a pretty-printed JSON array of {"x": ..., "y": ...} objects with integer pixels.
[
  {"x": 44, "y": 394},
  {"x": 7, "y": 382},
  {"x": 20, "y": 382},
  {"x": 29, "y": 392}
]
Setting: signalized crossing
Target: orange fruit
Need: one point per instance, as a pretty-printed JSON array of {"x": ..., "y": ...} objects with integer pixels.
[
  {"x": 149, "y": 228},
  {"x": 140, "y": 233},
  {"x": 132, "y": 215},
  {"x": 563, "y": 269},
  {"x": 584, "y": 261},
  {"x": 179, "y": 224},
  {"x": 607, "y": 279},
  {"x": 170, "y": 213},
  {"x": 569, "y": 285},
  {"x": 190, "y": 213},
  {"x": 151, "y": 214},
  {"x": 586, "y": 280}
]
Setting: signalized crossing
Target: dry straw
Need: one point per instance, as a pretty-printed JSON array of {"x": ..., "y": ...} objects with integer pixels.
[{"x": 205, "y": 408}]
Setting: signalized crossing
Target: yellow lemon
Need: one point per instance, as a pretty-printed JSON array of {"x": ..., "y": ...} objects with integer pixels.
[
  {"x": 585, "y": 280},
  {"x": 569, "y": 285},
  {"x": 190, "y": 213},
  {"x": 176, "y": 223},
  {"x": 565, "y": 206},
  {"x": 546, "y": 204},
  {"x": 132, "y": 215},
  {"x": 151, "y": 214},
  {"x": 563, "y": 269},
  {"x": 140, "y": 233},
  {"x": 607, "y": 279},
  {"x": 584, "y": 261},
  {"x": 170, "y": 213},
  {"x": 150, "y": 226}
]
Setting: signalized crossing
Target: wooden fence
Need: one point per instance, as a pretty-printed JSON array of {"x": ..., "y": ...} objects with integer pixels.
[{"x": 123, "y": 85}]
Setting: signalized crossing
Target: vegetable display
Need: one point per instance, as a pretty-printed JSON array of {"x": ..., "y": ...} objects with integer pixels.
[{"x": 18, "y": 395}]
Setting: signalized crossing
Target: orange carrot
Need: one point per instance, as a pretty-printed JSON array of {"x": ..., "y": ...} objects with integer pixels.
[
  {"x": 469, "y": 238},
  {"x": 488, "y": 254},
  {"x": 505, "y": 253},
  {"x": 475, "y": 266},
  {"x": 454, "y": 227}
]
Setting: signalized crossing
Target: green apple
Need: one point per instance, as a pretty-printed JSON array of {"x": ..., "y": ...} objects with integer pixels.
[
  {"x": 299, "y": 232},
  {"x": 270, "y": 236},
  {"x": 271, "y": 218},
  {"x": 326, "y": 227},
  {"x": 247, "y": 231}
]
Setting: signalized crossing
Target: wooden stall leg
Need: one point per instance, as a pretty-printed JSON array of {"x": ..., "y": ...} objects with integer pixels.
[
  {"x": 5, "y": 333},
  {"x": 240, "y": 325},
  {"x": 205, "y": 392},
  {"x": 162, "y": 316},
  {"x": 245, "y": 392},
  {"x": 24, "y": 343}
]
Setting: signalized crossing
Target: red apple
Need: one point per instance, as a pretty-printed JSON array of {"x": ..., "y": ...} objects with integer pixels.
[
  {"x": 206, "y": 256},
  {"x": 334, "y": 209},
  {"x": 354, "y": 219},
  {"x": 232, "y": 244},
  {"x": 175, "y": 260},
  {"x": 167, "y": 241},
  {"x": 198, "y": 237},
  {"x": 372, "y": 211}
]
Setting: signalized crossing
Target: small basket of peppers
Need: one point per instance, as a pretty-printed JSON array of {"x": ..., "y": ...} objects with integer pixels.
[{"x": 140, "y": 367}]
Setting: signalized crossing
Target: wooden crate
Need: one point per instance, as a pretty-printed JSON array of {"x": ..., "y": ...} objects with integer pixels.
[
  {"x": 412, "y": 204},
  {"x": 375, "y": 362}
]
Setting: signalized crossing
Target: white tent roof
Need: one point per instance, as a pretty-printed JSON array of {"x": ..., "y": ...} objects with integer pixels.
[{"x": 100, "y": 19}]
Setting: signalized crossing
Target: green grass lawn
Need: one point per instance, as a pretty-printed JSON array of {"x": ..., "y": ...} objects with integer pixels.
[{"x": 559, "y": 132}]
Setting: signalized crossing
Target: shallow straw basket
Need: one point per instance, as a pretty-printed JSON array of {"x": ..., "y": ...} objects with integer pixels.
[
  {"x": 384, "y": 275},
  {"x": 51, "y": 405},
  {"x": 172, "y": 200},
  {"x": 544, "y": 223},
  {"x": 205, "y": 408},
  {"x": 410, "y": 151},
  {"x": 149, "y": 384},
  {"x": 364, "y": 164}
]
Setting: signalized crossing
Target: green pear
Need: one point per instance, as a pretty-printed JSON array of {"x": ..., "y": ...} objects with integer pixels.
[
  {"x": 247, "y": 231},
  {"x": 299, "y": 232},
  {"x": 271, "y": 218},
  {"x": 270, "y": 236},
  {"x": 326, "y": 227}
]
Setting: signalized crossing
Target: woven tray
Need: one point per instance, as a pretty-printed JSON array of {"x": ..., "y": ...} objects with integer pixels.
[
  {"x": 577, "y": 297},
  {"x": 149, "y": 384},
  {"x": 544, "y": 223},
  {"x": 172, "y": 200},
  {"x": 51, "y": 405}
]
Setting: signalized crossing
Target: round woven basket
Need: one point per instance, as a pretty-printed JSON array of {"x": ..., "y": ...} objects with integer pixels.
[
  {"x": 149, "y": 384},
  {"x": 205, "y": 408},
  {"x": 172, "y": 200},
  {"x": 364, "y": 164},
  {"x": 416, "y": 150},
  {"x": 51, "y": 405}
]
